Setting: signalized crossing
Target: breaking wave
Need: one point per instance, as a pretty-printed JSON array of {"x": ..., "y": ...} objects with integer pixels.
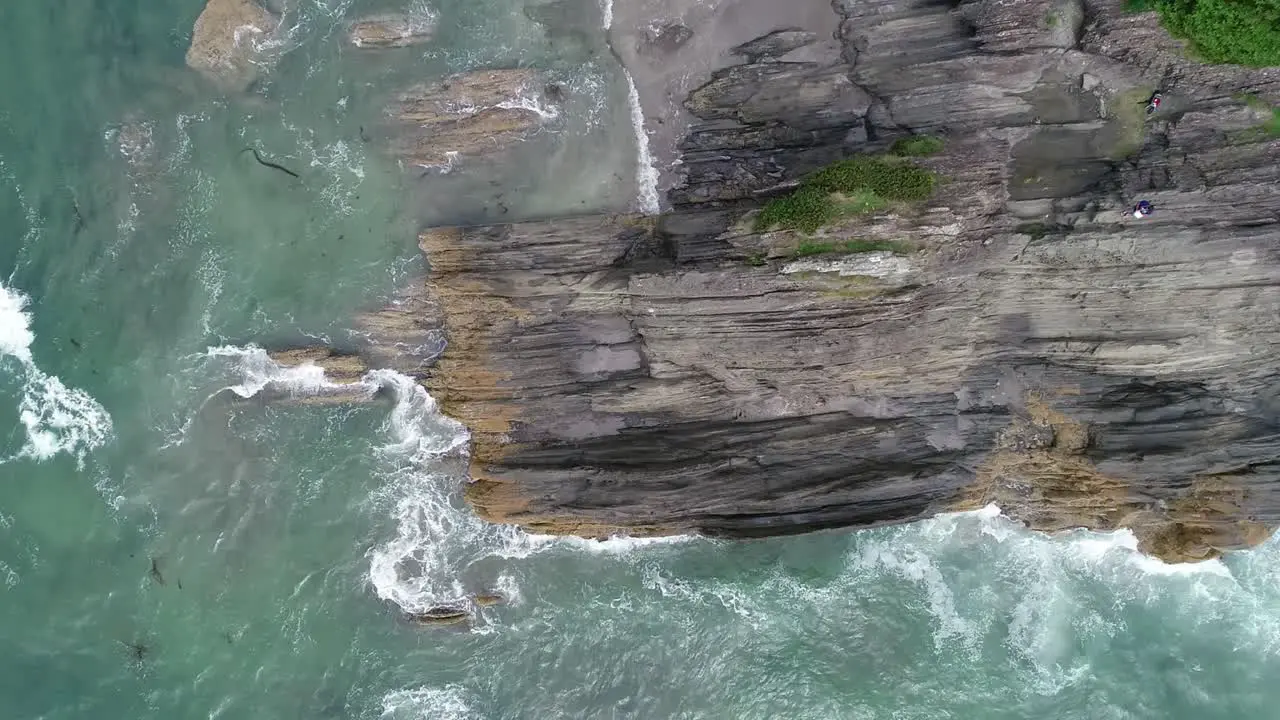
[
  {"x": 646, "y": 173},
  {"x": 57, "y": 418},
  {"x": 447, "y": 703},
  {"x": 437, "y": 537}
]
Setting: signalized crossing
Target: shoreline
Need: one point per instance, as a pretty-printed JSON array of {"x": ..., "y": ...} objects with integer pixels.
[
  {"x": 679, "y": 373},
  {"x": 669, "y": 48}
]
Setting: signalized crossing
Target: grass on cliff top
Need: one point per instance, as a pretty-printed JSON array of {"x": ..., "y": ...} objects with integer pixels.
[
  {"x": 851, "y": 186},
  {"x": 1236, "y": 32}
]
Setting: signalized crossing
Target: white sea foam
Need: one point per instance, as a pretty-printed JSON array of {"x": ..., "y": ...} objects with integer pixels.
[
  {"x": 426, "y": 703},
  {"x": 437, "y": 536},
  {"x": 56, "y": 418},
  {"x": 613, "y": 545},
  {"x": 647, "y": 176},
  {"x": 258, "y": 372},
  {"x": 211, "y": 275},
  {"x": 646, "y": 173},
  {"x": 532, "y": 104},
  {"x": 10, "y": 575}
]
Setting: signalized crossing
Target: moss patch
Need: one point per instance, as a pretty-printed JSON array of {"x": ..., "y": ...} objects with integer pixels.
[
  {"x": 1269, "y": 128},
  {"x": 917, "y": 146},
  {"x": 806, "y": 209},
  {"x": 851, "y": 186},
  {"x": 1128, "y": 115}
]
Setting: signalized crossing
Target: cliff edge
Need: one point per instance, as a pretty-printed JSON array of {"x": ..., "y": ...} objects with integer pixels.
[{"x": 1016, "y": 338}]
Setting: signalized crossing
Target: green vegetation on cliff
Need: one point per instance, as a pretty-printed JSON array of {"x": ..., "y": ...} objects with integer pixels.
[
  {"x": 851, "y": 186},
  {"x": 1239, "y": 32},
  {"x": 917, "y": 146},
  {"x": 1269, "y": 128}
]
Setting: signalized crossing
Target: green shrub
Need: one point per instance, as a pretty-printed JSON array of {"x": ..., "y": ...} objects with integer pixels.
[
  {"x": 854, "y": 185},
  {"x": 1269, "y": 128},
  {"x": 1272, "y": 125},
  {"x": 1238, "y": 32},
  {"x": 859, "y": 202},
  {"x": 886, "y": 177},
  {"x": 917, "y": 146},
  {"x": 806, "y": 209}
]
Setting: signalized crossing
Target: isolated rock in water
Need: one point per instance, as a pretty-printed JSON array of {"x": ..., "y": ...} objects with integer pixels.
[
  {"x": 338, "y": 367},
  {"x": 343, "y": 378},
  {"x": 226, "y": 45},
  {"x": 392, "y": 31},
  {"x": 487, "y": 599},
  {"x": 440, "y": 615},
  {"x": 471, "y": 115}
]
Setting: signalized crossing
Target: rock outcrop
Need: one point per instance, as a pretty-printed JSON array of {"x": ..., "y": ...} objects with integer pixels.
[
  {"x": 227, "y": 44},
  {"x": 392, "y": 31},
  {"x": 470, "y": 116},
  {"x": 1024, "y": 341},
  {"x": 339, "y": 378}
]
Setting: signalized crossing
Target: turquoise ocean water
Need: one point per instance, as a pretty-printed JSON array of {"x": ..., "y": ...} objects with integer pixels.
[{"x": 142, "y": 257}]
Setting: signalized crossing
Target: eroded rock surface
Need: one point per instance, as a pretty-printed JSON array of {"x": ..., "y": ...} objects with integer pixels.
[
  {"x": 227, "y": 44},
  {"x": 474, "y": 115},
  {"x": 1026, "y": 342},
  {"x": 392, "y": 31},
  {"x": 336, "y": 377}
]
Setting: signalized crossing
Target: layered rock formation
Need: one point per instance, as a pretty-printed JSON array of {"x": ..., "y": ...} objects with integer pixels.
[
  {"x": 469, "y": 116},
  {"x": 392, "y": 31},
  {"x": 1024, "y": 342},
  {"x": 228, "y": 41}
]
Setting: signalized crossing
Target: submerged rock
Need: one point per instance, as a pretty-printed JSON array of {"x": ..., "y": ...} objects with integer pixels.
[
  {"x": 228, "y": 41},
  {"x": 440, "y": 615},
  {"x": 488, "y": 599},
  {"x": 135, "y": 140},
  {"x": 471, "y": 115},
  {"x": 392, "y": 31}
]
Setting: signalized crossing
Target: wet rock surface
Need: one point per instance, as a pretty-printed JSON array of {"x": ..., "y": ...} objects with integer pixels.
[
  {"x": 470, "y": 116},
  {"x": 342, "y": 381},
  {"x": 227, "y": 43},
  {"x": 440, "y": 615},
  {"x": 1029, "y": 344},
  {"x": 392, "y": 31}
]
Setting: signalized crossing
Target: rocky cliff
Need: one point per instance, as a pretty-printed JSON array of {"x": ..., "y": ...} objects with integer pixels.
[{"x": 1017, "y": 339}]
